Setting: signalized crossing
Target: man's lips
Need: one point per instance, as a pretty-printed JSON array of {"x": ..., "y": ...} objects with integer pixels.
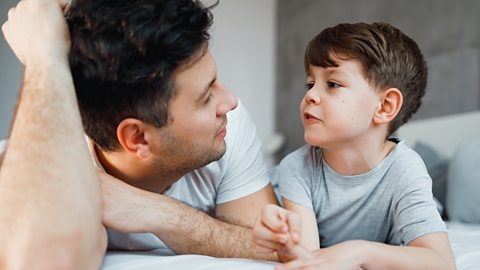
[{"x": 223, "y": 131}]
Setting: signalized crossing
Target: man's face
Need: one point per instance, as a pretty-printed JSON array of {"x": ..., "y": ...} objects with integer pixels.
[{"x": 194, "y": 135}]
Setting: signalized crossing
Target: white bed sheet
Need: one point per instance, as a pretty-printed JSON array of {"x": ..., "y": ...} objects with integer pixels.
[
  {"x": 465, "y": 240},
  {"x": 115, "y": 260}
]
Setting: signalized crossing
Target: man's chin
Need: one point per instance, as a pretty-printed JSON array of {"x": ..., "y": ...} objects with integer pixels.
[{"x": 217, "y": 155}]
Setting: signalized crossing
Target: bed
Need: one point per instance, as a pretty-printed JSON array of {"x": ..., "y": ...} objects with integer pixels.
[{"x": 465, "y": 240}]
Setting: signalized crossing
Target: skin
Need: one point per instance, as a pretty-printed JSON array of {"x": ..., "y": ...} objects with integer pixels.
[
  {"x": 36, "y": 231},
  {"x": 349, "y": 119}
]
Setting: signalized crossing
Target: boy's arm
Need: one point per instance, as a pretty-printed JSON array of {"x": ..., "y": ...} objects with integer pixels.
[
  {"x": 309, "y": 229},
  {"x": 431, "y": 251}
]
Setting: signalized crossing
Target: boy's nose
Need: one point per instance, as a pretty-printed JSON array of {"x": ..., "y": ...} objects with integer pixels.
[{"x": 312, "y": 97}]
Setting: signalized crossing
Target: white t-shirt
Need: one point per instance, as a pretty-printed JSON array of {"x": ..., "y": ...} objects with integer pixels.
[{"x": 239, "y": 173}]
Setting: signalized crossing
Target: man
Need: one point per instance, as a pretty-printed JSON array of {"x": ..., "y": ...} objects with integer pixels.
[{"x": 157, "y": 115}]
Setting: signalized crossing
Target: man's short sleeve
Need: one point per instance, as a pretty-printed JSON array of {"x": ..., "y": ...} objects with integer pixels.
[
  {"x": 245, "y": 169},
  {"x": 294, "y": 174}
]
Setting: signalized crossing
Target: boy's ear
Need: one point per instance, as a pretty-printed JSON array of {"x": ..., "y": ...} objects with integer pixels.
[
  {"x": 134, "y": 136},
  {"x": 391, "y": 102}
]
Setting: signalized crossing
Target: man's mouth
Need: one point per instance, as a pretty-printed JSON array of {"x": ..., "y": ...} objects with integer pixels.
[{"x": 223, "y": 130}]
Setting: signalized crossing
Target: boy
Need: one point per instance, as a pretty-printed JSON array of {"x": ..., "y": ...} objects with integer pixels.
[{"x": 367, "y": 197}]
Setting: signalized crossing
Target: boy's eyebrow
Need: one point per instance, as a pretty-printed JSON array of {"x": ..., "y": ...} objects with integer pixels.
[{"x": 334, "y": 70}]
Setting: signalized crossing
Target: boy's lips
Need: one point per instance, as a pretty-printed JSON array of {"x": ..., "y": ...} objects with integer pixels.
[{"x": 310, "y": 117}]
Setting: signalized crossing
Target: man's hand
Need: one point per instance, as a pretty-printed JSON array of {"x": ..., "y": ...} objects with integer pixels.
[
  {"x": 278, "y": 230},
  {"x": 343, "y": 256},
  {"x": 37, "y": 29}
]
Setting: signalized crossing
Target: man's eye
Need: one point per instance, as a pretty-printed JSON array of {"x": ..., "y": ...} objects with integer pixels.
[
  {"x": 332, "y": 84},
  {"x": 309, "y": 86}
]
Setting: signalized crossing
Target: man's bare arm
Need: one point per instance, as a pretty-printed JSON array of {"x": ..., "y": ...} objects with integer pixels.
[
  {"x": 184, "y": 229},
  {"x": 50, "y": 204}
]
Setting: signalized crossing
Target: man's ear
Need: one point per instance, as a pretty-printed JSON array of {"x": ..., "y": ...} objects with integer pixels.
[
  {"x": 134, "y": 137},
  {"x": 391, "y": 101}
]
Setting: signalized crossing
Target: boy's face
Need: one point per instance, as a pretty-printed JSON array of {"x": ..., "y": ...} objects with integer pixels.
[{"x": 338, "y": 106}]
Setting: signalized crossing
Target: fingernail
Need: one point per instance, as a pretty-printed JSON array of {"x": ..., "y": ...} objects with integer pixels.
[{"x": 295, "y": 236}]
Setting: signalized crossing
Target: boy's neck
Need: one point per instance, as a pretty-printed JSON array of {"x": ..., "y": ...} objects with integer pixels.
[{"x": 357, "y": 158}]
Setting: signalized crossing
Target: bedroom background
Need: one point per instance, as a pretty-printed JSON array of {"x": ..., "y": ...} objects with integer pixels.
[{"x": 259, "y": 49}]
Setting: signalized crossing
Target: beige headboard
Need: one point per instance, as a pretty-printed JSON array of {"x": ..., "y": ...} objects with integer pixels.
[{"x": 443, "y": 133}]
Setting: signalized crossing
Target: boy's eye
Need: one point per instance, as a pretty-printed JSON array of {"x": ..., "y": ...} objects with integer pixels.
[
  {"x": 309, "y": 86},
  {"x": 332, "y": 84}
]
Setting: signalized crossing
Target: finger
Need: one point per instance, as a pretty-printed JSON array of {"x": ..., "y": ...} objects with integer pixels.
[
  {"x": 263, "y": 250},
  {"x": 274, "y": 218},
  {"x": 294, "y": 226},
  {"x": 269, "y": 244},
  {"x": 262, "y": 232},
  {"x": 11, "y": 11}
]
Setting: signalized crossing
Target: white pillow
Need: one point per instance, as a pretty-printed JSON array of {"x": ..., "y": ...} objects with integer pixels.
[{"x": 463, "y": 185}]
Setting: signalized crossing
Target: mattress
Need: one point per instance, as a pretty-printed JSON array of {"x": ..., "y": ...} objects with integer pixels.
[{"x": 464, "y": 238}]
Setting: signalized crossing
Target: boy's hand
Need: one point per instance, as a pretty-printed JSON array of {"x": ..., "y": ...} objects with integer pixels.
[
  {"x": 343, "y": 256},
  {"x": 37, "y": 30},
  {"x": 277, "y": 229}
]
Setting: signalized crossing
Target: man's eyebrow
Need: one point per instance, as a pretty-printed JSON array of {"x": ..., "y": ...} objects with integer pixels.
[{"x": 207, "y": 89}]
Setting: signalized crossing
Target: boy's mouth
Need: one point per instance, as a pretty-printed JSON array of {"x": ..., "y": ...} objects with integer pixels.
[{"x": 309, "y": 116}]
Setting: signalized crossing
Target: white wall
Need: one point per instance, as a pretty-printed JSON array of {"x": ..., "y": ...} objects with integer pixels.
[
  {"x": 10, "y": 75},
  {"x": 243, "y": 44}
]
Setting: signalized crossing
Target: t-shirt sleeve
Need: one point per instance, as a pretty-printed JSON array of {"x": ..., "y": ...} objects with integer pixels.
[
  {"x": 245, "y": 169},
  {"x": 415, "y": 212},
  {"x": 294, "y": 177}
]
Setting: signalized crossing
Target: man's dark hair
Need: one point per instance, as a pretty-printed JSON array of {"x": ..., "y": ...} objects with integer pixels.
[
  {"x": 124, "y": 57},
  {"x": 389, "y": 58}
]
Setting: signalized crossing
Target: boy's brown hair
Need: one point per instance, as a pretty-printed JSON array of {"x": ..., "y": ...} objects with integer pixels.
[{"x": 389, "y": 59}]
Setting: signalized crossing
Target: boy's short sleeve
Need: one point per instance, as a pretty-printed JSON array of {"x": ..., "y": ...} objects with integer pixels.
[
  {"x": 295, "y": 173},
  {"x": 416, "y": 213}
]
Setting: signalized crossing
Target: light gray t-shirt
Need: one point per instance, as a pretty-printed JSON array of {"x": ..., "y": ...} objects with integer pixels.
[{"x": 392, "y": 203}]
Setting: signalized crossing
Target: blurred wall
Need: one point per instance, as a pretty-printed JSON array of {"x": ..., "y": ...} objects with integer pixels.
[
  {"x": 10, "y": 75},
  {"x": 446, "y": 31},
  {"x": 243, "y": 43}
]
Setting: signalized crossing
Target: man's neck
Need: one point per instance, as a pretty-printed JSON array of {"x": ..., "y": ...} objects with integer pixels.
[{"x": 136, "y": 172}]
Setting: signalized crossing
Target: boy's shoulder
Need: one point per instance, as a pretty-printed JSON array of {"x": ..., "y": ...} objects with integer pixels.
[
  {"x": 306, "y": 154},
  {"x": 407, "y": 165}
]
